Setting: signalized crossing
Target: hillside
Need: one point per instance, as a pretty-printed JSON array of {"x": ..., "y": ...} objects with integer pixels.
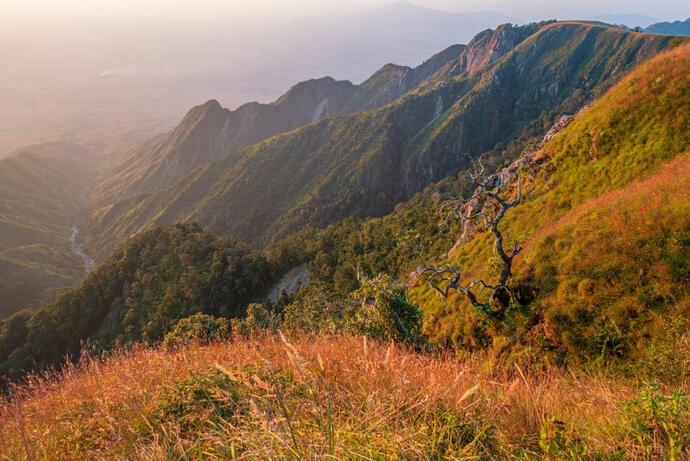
[
  {"x": 149, "y": 283},
  {"x": 366, "y": 163},
  {"x": 621, "y": 138},
  {"x": 337, "y": 397},
  {"x": 41, "y": 200},
  {"x": 589, "y": 361},
  {"x": 209, "y": 131},
  {"x": 604, "y": 225}
]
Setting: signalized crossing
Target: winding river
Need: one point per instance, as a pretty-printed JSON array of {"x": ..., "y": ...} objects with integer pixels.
[{"x": 89, "y": 263}]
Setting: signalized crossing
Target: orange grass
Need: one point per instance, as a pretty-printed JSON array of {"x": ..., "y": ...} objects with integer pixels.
[{"x": 312, "y": 398}]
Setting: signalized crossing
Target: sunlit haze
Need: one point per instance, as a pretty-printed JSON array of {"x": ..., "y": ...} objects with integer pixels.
[
  {"x": 102, "y": 71},
  {"x": 527, "y": 9}
]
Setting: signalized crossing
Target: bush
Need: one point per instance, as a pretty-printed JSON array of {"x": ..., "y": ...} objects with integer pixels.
[
  {"x": 660, "y": 424},
  {"x": 379, "y": 308},
  {"x": 386, "y": 312},
  {"x": 197, "y": 327},
  {"x": 258, "y": 318},
  {"x": 317, "y": 308},
  {"x": 206, "y": 399}
]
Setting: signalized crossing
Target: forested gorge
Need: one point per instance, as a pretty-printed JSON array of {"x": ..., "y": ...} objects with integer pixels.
[{"x": 153, "y": 280}]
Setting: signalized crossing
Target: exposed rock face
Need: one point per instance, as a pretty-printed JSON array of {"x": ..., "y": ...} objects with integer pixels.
[
  {"x": 483, "y": 50},
  {"x": 556, "y": 129},
  {"x": 487, "y": 48},
  {"x": 290, "y": 283}
]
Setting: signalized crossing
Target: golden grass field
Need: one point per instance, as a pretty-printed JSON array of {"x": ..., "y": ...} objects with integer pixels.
[{"x": 268, "y": 397}]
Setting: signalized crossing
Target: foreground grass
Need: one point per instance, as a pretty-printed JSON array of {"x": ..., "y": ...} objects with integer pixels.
[{"x": 335, "y": 398}]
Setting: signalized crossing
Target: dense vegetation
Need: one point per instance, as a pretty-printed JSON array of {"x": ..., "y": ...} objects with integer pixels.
[{"x": 152, "y": 281}]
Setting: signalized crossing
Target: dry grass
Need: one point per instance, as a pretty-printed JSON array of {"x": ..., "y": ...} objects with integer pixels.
[{"x": 315, "y": 398}]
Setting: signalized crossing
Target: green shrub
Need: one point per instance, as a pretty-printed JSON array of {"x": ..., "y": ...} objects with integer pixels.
[
  {"x": 317, "y": 308},
  {"x": 200, "y": 400},
  {"x": 386, "y": 312},
  {"x": 197, "y": 327},
  {"x": 257, "y": 319},
  {"x": 660, "y": 424}
]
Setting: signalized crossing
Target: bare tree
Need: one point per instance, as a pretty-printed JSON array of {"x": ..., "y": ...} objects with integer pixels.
[{"x": 486, "y": 203}]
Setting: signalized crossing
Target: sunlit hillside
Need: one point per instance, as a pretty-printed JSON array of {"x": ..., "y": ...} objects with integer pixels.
[{"x": 483, "y": 257}]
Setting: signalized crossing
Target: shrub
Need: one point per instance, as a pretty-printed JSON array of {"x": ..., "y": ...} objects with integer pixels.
[
  {"x": 197, "y": 327},
  {"x": 660, "y": 424},
  {"x": 258, "y": 318},
  {"x": 317, "y": 308},
  {"x": 386, "y": 312},
  {"x": 200, "y": 400}
]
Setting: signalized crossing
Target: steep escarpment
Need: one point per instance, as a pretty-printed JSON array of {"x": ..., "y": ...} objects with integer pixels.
[{"x": 363, "y": 164}]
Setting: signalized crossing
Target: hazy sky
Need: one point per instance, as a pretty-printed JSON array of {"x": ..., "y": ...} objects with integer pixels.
[{"x": 520, "y": 9}]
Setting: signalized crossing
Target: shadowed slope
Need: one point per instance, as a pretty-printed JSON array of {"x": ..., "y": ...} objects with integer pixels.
[{"x": 364, "y": 164}]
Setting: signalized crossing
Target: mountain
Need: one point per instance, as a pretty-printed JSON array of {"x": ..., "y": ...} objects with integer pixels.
[
  {"x": 139, "y": 76},
  {"x": 508, "y": 89},
  {"x": 41, "y": 202},
  {"x": 602, "y": 313},
  {"x": 209, "y": 131},
  {"x": 629, "y": 20},
  {"x": 604, "y": 224},
  {"x": 670, "y": 28},
  {"x": 56, "y": 149}
]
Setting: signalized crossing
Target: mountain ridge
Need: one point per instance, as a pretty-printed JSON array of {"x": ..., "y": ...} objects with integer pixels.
[
  {"x": 363, "y": 164},
  {"x": 209, "y": 131}
]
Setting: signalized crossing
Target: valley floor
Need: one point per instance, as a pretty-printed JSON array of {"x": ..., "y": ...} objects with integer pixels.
[{"x": 339, "y": 398}]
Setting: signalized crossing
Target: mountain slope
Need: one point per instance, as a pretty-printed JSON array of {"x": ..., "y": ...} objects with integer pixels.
[
  {"x": 365, "y": 163},
  {"x": 209, "y": 131},
  {"x": 41, "y": 200},
  {"x": 604, "y": 220}
]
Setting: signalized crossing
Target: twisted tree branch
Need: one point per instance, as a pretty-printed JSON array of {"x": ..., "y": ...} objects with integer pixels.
[{"x": 492, "y": 208}]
